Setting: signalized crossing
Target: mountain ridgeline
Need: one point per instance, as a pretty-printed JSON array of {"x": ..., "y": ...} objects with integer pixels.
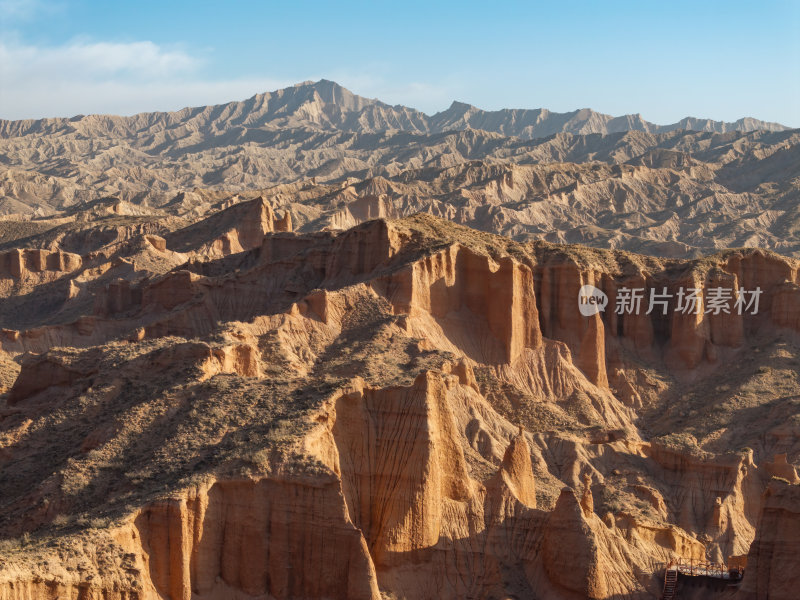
[
  {"x": 582, "y": 177},
  {"x": 325, "y": 104}
]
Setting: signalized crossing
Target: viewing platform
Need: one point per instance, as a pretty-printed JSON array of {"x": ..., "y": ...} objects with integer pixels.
[{"x": 696, "y": 573}]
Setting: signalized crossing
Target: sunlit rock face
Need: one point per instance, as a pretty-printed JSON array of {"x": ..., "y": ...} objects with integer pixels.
[{"x": 408, "y": 408}]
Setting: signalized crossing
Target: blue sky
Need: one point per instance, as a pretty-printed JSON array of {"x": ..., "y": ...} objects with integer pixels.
[{"x": 663, "y": 59}]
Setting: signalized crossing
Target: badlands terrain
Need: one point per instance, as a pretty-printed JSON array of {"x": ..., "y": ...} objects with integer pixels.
[
  {"x": 311, "y": 345},
  {"x": 681, "y": 190}
]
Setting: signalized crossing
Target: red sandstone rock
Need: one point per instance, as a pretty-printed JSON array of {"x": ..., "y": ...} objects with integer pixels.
[{"x": 422, "y": 489}]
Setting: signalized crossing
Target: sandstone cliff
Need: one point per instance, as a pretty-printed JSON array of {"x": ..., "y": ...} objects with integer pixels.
[{"x": 407, "y": 408}]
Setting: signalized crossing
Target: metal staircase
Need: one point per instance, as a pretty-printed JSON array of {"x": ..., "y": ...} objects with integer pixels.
[{"x": 670, "y": 583}]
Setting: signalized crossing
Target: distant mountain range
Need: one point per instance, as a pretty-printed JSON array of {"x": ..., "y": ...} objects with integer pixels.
[
  {"x": 334, "y": 159},
  {"x": 327, "y": 105}
]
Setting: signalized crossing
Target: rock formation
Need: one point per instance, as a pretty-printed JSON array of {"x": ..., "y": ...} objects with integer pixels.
[{"x": 407, "y": 408}]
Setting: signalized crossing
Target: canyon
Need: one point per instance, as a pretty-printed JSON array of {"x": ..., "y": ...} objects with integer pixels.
[{"x": 371, "y": 378}]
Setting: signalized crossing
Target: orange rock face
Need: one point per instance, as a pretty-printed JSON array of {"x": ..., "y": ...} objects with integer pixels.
[
  {"x": 239, "y": 227},
  {"x": 36, "y": 266},
  {"x": 779, "y": 467},
  {"x": 405, "y": 409},
  {"x": 281, "y": 539}
]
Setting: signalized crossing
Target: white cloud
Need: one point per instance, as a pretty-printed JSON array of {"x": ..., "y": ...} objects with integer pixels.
[
  {"x": 92, "y": 60},
  {"x": 424, "y": 96},
  {"x": 105, "y": 77}
]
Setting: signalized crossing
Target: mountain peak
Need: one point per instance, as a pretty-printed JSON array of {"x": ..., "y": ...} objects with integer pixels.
[{"x": 460, "y": 106}]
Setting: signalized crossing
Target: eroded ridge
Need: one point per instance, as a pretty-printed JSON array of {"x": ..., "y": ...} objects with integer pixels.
[{"x": 407, "y": 408}]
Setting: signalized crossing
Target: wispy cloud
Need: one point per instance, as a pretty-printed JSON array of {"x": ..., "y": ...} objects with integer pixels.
[
  {"x": 93, "y": 60},
  {"x": 425, "y": 96},
  {"x": 108, "y": 77}
]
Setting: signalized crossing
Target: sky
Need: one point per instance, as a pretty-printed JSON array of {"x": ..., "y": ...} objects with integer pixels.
[{"x": 663, "y": 59}]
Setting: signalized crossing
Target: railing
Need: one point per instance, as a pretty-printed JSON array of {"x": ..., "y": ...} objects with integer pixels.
[{"x": 696, "y": 568}]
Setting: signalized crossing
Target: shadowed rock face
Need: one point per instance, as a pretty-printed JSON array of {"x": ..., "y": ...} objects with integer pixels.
[
  {"x": 772, "y": 559},
  {"x": 407, "y": 408}
]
